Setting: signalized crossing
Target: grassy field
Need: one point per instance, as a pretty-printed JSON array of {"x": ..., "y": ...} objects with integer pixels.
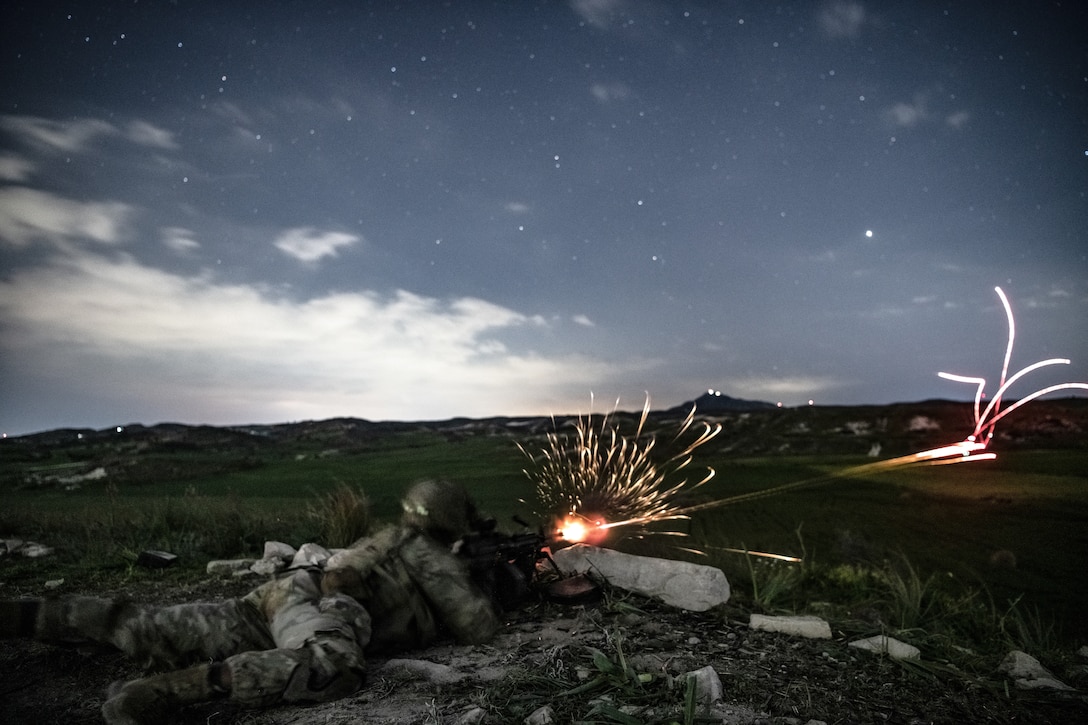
[{"x": 1015, "y": 526}]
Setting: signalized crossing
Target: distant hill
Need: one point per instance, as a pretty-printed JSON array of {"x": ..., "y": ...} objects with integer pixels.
[
  {"x": 715, "y": 402},
  {"x": 749, "y": 427}
]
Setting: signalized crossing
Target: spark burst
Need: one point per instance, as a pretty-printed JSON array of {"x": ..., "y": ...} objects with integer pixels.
[
  {"x": 657, "y": 504},
  {"x": 598, "y": 475}
]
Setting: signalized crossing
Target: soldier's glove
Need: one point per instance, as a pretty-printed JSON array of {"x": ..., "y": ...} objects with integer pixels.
[{"x": 343, "y": 581}]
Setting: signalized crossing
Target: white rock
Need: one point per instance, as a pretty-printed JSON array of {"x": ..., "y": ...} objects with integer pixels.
[
  {"x": 1028, "y": 673},
  {"x": 541, "y": 716},
  {"x": 695, "y": 587},
  {"x": 430, "y": 671},
  {"x": 279, "y": 550},
  {"x": 34, "y": 550},
  {"x": 226, "y": 567},
  {"x": 268, "y": 567},
  {"x": 472, "y": 717},
  {"x": 54, "y": 583},
  {"x": 888, "y": 645},
  {"x": 310, "y": 555},
  {"x": 708, "y": 686},
  {"x": 801, "y": 625}
]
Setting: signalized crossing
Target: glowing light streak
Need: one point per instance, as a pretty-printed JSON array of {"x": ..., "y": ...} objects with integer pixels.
[
  {"x": 971, "y": 449},
  {"x": 764, "y": 554},
  {"x": 986, "y": 420}
]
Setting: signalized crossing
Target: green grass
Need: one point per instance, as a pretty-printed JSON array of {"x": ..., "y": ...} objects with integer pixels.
[{"x": 938, "y": 529}]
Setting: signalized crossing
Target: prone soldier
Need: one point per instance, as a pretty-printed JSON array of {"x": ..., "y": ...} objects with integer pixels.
[{"x": 299, "y": 638}]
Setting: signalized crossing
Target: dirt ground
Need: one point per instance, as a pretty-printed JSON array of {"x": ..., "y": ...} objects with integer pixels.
[{"x": 543, "y": 656}]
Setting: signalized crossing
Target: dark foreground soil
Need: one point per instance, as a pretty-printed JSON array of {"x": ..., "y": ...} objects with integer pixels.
[{"x": 544, "y": 657}]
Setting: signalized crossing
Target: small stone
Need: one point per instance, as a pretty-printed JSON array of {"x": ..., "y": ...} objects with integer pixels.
[
  {"x": 888, "y": 645},
  {"x": 279, "y": 550},
  {"x": 34, "y": 550},
  {"x": 310, "y": 555},
  {"x": 268, "y": 567},
  {"x": 154, "y": 559},
  {"x": 541, "y": 716},
  {"x": 1083, "y": 651},
  {"x": 1028, "y": 673},
  {"x": 473, "y": 717},
  {"x": 430, "y": 671},
  {"x": 708, "y": 686},
  {"x": 54, "y": 583},
  {"x": 227, "y": 567},
  {"x": 801, "y": 625}
]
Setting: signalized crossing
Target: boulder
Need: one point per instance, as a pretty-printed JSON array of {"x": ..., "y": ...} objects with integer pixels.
[
  {"x": 888, "y": 645},
  {"x": 800, "y": 625},
  {"x": 695, "y": 587}
]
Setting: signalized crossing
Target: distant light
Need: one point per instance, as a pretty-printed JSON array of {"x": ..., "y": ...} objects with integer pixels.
[
  {"x": 810, "y": 401},
  {"x": 120, "y": 429},
  {"x": 780, "y": 404},
  {"x": 869, "y": 232}
]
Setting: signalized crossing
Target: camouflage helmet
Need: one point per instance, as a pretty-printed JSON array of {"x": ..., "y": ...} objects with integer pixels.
[{"x": 441, "y": 508}]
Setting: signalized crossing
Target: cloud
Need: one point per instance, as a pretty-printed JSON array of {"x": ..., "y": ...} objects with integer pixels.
[
  {"x": 76, "y": 136},
  {"x": 606, "y": 92},
  {"x": 842, "y": 19},
  {"x": 958, "y": 119},
  {"x": 67, "y": 136},
  {"x": 175, "y": 343},
  {"x": 583, "y": 320},
  {"x": 15, "y": 168},
  {"x": 518, "y": 207},
  {"x": 27, "y": 215},
  {"x": 598, "y": 13},
  {"x": 179, "y": 239},
  {"x": 145, "y": 134},
  {"x": 776, "y": 388},
  {"x": 907, "y": 114},
  {"x": 309, "y": 245}
]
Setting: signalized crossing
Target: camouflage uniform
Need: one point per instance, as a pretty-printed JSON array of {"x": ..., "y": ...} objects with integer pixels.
[{"x": 298, "y": 638}]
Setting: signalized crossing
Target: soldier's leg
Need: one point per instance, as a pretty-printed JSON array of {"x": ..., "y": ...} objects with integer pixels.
[
  {"x": 319, "y": 656},
  {"x": 150, "y": 700},
  {"x": 162, "y": 637}
]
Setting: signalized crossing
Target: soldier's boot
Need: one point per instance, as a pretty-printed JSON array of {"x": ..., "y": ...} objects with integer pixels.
[
  {"x": 78, "y": 619},
  {"x": 18, "y": 616},
  {"x": 151, "y": 700}
]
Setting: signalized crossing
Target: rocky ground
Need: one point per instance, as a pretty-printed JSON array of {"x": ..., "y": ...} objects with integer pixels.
[{"x": 546, "y": 657}]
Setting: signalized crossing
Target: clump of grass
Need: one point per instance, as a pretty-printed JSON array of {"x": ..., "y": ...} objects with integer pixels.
[
  {"x": 342, "y": 516},
  {"x": 772, "y": 581},
  {"x": 909, "y": 596},
  {"x": 601, "y": 472}
]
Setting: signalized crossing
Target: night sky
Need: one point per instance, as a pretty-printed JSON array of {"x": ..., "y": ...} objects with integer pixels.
[{"x": 259, "y": 212}]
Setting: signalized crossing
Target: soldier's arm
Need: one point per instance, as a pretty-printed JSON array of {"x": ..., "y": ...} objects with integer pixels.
[{"x": 444, "y": 578}]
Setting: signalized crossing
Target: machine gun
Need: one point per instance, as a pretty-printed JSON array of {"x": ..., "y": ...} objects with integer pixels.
[{"x": 505, "y": 565}]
